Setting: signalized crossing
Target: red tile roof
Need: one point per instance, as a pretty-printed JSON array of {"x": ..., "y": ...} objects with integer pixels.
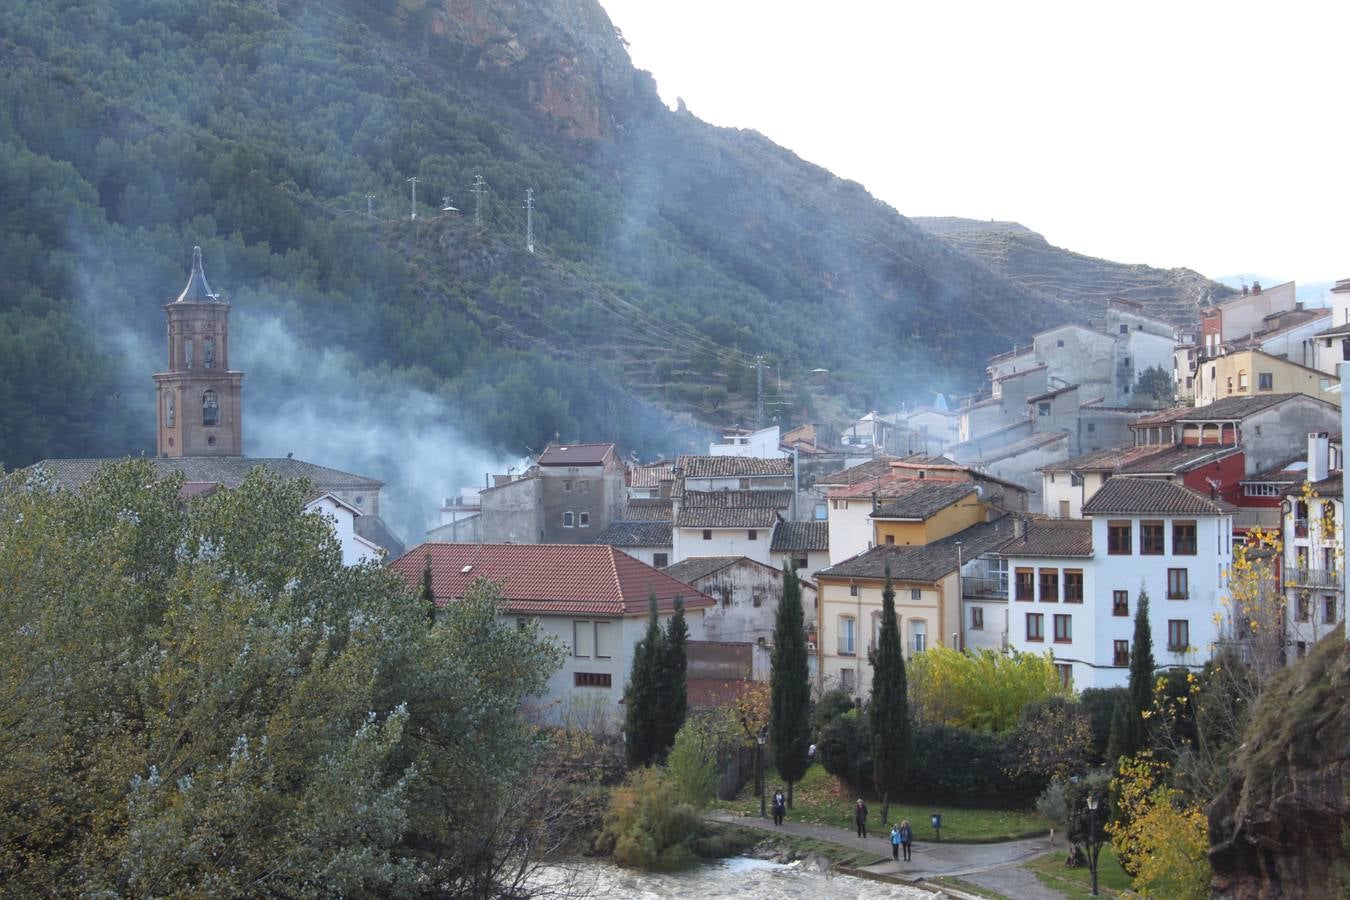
[
  {"x": 594, "y": 579},
  {"x": 575, "y": 454},
  {"x": 1126, "y": 495}
]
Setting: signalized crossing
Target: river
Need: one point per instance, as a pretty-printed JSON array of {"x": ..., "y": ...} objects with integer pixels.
[{"x": 740, "y": 878}]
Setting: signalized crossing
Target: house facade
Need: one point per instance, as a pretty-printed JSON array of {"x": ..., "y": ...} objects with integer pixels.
[
  {"x": 591, "y": 599},
  {"x": 1250, "y": 373},
  {"x": 1313, "y": 540}
]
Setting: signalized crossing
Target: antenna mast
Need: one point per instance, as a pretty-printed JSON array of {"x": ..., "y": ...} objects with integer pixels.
[
  {"x": 413, "y": 182},
  {"x": 370, "y": 208},
  {"x": 478, "y": 190},
  {"x": 759, "y": 390},
  {"x": 529, "y": 219}
]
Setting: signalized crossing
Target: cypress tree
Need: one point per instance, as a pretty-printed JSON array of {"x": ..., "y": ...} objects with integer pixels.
[
  {"x": 1141, "y": 677},
  {"x": 790, "y": 685},
  {"x": 642, "y": 695},
  {"x": 674, "y": 679},
  {"x": 428, "y": 595},
  {"x": 1118, "y": 744},
  {"x": 888, "y": 711}
]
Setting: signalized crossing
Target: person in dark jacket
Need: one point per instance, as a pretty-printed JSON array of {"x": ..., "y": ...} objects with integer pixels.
[
  {"x": 906, "y": 837},
  {"x": 779, "y": 806},
  {"x": 860, "y": 817}
]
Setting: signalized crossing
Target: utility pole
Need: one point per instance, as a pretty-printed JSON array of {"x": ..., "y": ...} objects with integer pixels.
[
  {"x": 478, "y": 190},
  {"x": 413, "y": 182},
  {"x": 529, "y": 219},
  {"x": 370, "y": 208},
  {"x": 759, "y": 390}
]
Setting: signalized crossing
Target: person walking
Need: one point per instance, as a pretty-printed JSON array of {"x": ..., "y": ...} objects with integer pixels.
[
  {"x": 895, "y": 842},
  {"x": 906, "y": 837},
  {"x": 860, "y": 817},
  {"x": 779, "y": 806}
]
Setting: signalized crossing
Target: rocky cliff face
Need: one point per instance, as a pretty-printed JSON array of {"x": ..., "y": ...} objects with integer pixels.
[{"x": 1282, "y": 827}]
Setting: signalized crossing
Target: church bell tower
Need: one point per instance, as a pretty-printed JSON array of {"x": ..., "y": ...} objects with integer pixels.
[{"x": 199, "y": 408}]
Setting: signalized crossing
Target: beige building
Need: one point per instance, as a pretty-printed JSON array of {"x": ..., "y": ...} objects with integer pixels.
[{"x": 1251, "y": 373}]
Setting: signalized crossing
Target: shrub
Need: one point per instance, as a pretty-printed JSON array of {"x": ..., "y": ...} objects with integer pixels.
[
  {"x": 845, "y": 750},
  {"x": 1052, "y": 805},
  {"x": 952, "y": 762},
  {"x": 830, "y": 706},
  {"x": 1100, "y": 704},
  {"x": 694, "y": 764},
  {"x": 981, "y": 689},
  {"x": 646, "y": 827}
]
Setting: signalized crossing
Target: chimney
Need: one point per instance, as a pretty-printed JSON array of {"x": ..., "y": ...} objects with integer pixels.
[
  {"x": 876, "y": 504},
  {"x": 1319, "y": 456},
  {"x": 1256, "y": 287}
]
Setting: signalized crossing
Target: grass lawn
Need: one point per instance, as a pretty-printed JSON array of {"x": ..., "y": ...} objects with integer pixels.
[
  {"x": 1111, "y": 878},
  {"x": 821, "y": 800}
]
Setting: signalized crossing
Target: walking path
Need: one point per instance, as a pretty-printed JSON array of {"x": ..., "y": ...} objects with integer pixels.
[{"x": 997, "y": 866}]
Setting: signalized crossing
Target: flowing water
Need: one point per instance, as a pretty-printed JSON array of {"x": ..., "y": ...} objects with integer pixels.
[{"x": 740, "y": 878}]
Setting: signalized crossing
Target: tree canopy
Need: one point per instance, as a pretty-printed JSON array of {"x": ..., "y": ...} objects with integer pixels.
[{"x": 790, "y": 685}]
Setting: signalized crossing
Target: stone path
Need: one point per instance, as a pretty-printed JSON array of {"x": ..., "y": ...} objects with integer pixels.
[{"x": 995, "y": 866}]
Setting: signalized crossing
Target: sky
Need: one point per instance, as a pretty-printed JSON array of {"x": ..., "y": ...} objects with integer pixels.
[{"x": 1206, "y": 135}]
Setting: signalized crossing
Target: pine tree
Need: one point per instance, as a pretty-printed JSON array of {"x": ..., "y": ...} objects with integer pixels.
[
  {"x": 790, "y": 685},
  {"x": 888, "y": 711},
  {"x": 428, "y": 595},
  {"x": 642, "y": 695},
  {"x": 674, "y": 679},
  {"x": 1117, "y": 745},
  {"x": 1141, "y": 677}
]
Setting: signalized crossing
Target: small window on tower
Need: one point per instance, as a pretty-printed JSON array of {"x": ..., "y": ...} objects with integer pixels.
[
  {"x": 187, "y": 352},
  {"x": 210, "y": 409},
  {"x": 168, "y": 411},
  {"x": 209, "y": 352}
]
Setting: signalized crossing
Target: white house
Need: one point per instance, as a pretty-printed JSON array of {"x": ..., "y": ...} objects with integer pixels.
[
  {"x": 803, "y": 545},
  {"x": 1075, "y": 584},
  {"x": 1313, "y": 526},
  {"x": 342, "y": 516},
  {"x": 763, "y": 443},
  {"x": 727, "y": 523},
  {"x": 592, "y": 599}
]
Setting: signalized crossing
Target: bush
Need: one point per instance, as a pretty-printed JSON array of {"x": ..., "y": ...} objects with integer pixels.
[
  {"x": 1052, "y": 805},
  {"x": 829, "y": 707},
  {"x": 1100, "y": 704},
  {"x": 695, "y": 762},
  {"x": 951, "y": 762},
  {"x": 981, "y": 689},
  {"x": 845, "y": 750},
  {"x": 646, "y": 827}
]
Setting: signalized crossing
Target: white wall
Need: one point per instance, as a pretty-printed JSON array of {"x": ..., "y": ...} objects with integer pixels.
[
  {"x": 343, "y": 521},
  {"x": 850, "y": 527},
  {"x": 724, "y": 542},
  {"x": 762, "y": 444}
]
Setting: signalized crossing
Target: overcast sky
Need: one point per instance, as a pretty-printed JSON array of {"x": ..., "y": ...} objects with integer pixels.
[{"x": 1208, "y": 135}]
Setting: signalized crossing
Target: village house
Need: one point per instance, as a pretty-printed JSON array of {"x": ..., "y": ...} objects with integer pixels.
[
  {"x": 592, "y": 599},
  {"x": 729, "y": 505},
  {"x": 805, "y": 546},
  {"x": 1075, "y": 586},
  {"x": 1312, "y": 532},
  {"x": 1241, "y": 316},
  {"x": 1248, "y": 373}
]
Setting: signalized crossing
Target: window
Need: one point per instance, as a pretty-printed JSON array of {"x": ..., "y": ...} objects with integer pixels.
[
  {"x": 1073, "y": 585},
  {"x": 567, "y": 484},
  {"x": 834, "y": 504},
  {"x": 1121, "y": 653},
  {"x": 584, "y": 520},
  {"x": 1119, "y": 538},
  {"x": 977, "y": 618},
  {"x": 1043, "y": 408},
  {"x": 1151, "y": 539},
  {"x": 521, "y": 623},
  {"x": 1265, "y": 381},
  {"x": 890, "y": 539},
  {"x": 1035, "y": 627},
  {"x": 1091, "y": 427},
  {"x": 1049, "y": 585},
  {"x": 584, "y": 485},
  {"x": 210, "y": 409},
  {"x": 168, "y": 411},
  {"x": 847, "y": 680},
  {"x": 1064, "y": 509},
  {"x": 1059, "y": 343},
  {"x": 592, "y": 679},
  {"x": 752, "y": 534},
  {"x": 1065, "y": 672},
  {"x": 915, "y": 595},
  {"x": 1124, "y": 329},
  {"x": 583, "y": 639},
  {"x": 1242, "y": 380},
  {"x": 1301, "y": 649},
  {"x": 918, "y": 633},
  {"x": 1301, "y": 519},
  {"x": 853, "y": 590},
  {"x": 1178, "y": 635},
  {"x": 821, "y": 512},
  {"x": 604, "y": 640},
  {"x": 1260, "y": 490},
  {"x": 1304, "y": 608},
  {"x": 209, "y": 352},
  {"x": 1120, "y": 603},
  {"x": 1230, "y": 384},
  {"x": 660, "y": 560},
  {"x": 1063, "y": 629},
  {"x": 707, "y": 534},
  {"x": 800, "y": 562},
  {"x": 847, "y": 636},
  {"x": 1026, "y": 584},
  {"x": 1183, "y": 538},
  {"x": 1329, "y": 610},
  {"x": 757, "y": 596},
  {"x": 187, "y": 352},
  {"x": 1178, "y": 584},
  {"x": 569, "y": 519}
]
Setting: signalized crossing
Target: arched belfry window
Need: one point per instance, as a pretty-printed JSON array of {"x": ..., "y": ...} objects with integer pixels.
[
  {"x": 210, "y": 408},
  {"x": 187, "y": 352},
  {"x": 168, "y": 411},
  {"x": 209, "y": 352}
]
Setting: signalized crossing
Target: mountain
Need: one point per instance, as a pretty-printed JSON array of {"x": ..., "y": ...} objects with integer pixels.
[
  {"x": 1027, "y": 258},
  {"x": 671, "y": 258}
]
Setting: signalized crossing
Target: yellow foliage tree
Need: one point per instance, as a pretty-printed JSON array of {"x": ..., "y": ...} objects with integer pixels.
[
  {"x": 983, "y": 689},
  {"x": 1160, "y": 839}
]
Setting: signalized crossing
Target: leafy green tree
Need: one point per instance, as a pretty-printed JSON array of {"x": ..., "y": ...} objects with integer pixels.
[
  {"x": 672, "y": 678},
  {"x": 1155, "y": 385},
  {"x": 643, "y": 695},
  {"x": 888, "y": 710},
  {"x": 695, "y": 761},
  {"x": 201, "y": 698},
  {"x": 790, "y": 685},
  {"x": 428, "y": 593},
  {"x": 1141, "y": 678}
]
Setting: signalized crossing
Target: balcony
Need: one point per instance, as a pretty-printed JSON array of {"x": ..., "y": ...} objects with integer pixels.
[
  {"x": 981, "y": 588},
  {"x": 1307, "y": 576}
]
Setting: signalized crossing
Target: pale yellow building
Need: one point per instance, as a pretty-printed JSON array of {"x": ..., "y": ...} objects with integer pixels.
[{"x": 1251, "y": 373}]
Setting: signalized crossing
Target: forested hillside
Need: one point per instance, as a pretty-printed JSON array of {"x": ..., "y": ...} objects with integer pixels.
[{"x": 669, "y": 253}]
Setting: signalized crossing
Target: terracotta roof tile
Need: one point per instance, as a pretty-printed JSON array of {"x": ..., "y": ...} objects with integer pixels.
[
  {"x": 636, "y": 534},
  {"x": 1053, "y": 537},
  {"x": 576, "y": 454},
  {"x": 1179, "y": 459},
  {"x": 650, "y": 476},
  {"x": 647, "y": 510},
  {"x": 1124, "y": 495},
  {"x": 929, "y": 563},
  {"x": 548, "y": 578},
  {"x": 804, "y": 536},
  {"x": 733, "y": 466},
  {"x": 861, "y": 472},
  {"x": 1230, "y": 408},
  {"x": 924, "y": 498}
]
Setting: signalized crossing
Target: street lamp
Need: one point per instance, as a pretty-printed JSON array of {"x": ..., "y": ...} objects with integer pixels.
[
  {"x": 1094, "y": 840},
  {"x": 759, "y": 768}
]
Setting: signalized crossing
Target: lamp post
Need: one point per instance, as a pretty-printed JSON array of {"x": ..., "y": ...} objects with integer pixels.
[
  {"x": 1094, "y": 840},
  {"x": 759, "y": 769}
]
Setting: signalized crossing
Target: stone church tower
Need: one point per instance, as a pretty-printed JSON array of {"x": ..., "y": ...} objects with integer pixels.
[{"x": 199, "y": 407}]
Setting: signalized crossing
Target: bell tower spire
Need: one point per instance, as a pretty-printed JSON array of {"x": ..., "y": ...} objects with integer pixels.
[{"x": 199, "y": 408}]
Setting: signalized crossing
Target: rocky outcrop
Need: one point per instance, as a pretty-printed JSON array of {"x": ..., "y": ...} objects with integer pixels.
[{"x": 1281, "y": 828}]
